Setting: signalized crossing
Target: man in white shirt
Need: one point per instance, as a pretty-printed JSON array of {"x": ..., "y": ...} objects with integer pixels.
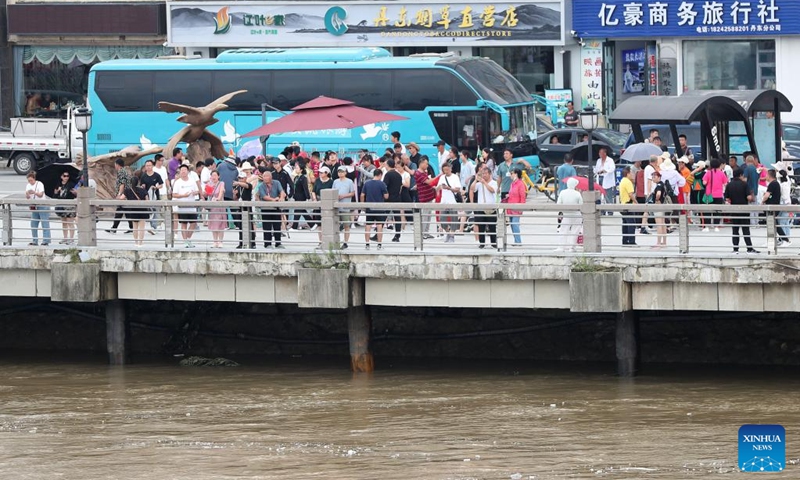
[
  {"x": 160, "y": 169},
  {"x": 442, "y": 153},
  {"x": 649, "y": 185},
  {"x": 484, "y": 191},
  {"x": 186, "y": 190},
  {"x": 606, "y": 171},
  {"x": 449, "y": 185}
]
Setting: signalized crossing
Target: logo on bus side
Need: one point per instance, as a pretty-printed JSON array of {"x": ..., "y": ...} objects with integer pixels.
[
  {"x": 335, "y": 21},
  {"x": 223, "y": 21}
]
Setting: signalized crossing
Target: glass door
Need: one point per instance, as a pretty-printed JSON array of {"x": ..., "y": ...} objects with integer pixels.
[{"x": 609, "y": 96}]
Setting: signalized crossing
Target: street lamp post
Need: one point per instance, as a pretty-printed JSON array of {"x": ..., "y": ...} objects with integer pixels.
[
  {"x": 589, "y": 117},
  {"x": 83, "y": 123}
]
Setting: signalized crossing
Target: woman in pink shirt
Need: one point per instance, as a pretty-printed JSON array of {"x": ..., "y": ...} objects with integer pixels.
[
  {"x": 517, "y": 194},
  {"x": 715, "y": 181}
]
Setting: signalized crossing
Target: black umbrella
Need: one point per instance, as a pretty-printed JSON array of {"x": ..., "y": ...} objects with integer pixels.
[
  {"x": 580, "y": 150},
  {"x": 50, "y": 176}
]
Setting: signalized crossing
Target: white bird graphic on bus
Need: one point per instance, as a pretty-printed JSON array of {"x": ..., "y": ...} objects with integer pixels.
[
  {"x": 230, "y": 133},
  {"x": 371, "y": 130},
  {"x": 146, "y": 143}
]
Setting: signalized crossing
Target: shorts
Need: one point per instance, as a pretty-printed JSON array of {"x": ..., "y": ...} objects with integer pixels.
[
  {"x": 376, "y": 216},
  {"x": 345, "y": 217},
  {"x": 187, "y": 217}
]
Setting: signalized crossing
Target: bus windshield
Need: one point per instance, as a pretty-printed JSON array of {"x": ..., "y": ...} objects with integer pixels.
[
  {"x": 521, "y": 121},
  {"x": 492, "y": 82}
]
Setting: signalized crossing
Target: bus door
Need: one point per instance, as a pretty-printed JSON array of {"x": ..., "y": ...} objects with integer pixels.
[{"x": 470, "y": 130}]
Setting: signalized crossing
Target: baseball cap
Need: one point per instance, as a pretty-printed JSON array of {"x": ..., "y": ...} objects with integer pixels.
[
  {"x": 440, "y": 142},
  {"x": 342, "y": 169},
  {"x": 324, "y": 169},
  {"x": 281, "y": 157}
]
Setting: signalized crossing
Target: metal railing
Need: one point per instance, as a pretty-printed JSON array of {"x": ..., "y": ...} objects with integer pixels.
[{"x": 462, "y": 228}]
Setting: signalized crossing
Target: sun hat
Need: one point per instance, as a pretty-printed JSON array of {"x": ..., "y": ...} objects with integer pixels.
[{"x": 246, "y": 166}]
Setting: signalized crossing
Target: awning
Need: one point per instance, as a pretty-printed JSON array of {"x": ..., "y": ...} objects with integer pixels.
[
  {"x": 683, "y": 109},
  {"x": 751, "y": 100},
  {"x": 89, "y": 53}
]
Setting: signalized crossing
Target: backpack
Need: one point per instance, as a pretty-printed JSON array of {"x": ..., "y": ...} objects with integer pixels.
[{"x": 669, "y": 192}]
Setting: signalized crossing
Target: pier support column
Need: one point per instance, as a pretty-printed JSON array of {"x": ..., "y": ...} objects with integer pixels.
[
  {"x": 627, "y": 344},
  {"x": 359, "y": 326},
  {"x": 115, "y": 332}
]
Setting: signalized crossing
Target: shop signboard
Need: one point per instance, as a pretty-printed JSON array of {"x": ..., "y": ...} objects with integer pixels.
[
  {"x": 633, "y": 71},
  {"x": 592, "y": 74},
  {"x": 557, "y": 100},
  {"x": 365, "y": 24},
  {"x": 685, "y": 18},
  {"x": 667, "y": 83}
]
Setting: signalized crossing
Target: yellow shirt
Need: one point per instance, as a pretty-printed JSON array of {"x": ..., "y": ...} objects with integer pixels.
[{"x": 626, "y": 191}]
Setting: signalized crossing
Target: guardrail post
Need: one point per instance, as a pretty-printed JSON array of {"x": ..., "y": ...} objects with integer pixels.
[
  {"x": 772, "y": 243},
  {"x": 87, "y": 226},
  {"x": 501, "y": 229},
  {"x": 247, "y": 227},
  {"x": 329, "y": 220},
  {"x": 169, "y": 231},
  {"x": 417, "y": 229},
  {"x": 592, "y": 243},
  {"x": 683, "y": 233},
  {"x": 8, "y": 230}
]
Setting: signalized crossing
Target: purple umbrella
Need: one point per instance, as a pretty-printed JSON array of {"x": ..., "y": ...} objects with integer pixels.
[{"x": 250, "y": 149}]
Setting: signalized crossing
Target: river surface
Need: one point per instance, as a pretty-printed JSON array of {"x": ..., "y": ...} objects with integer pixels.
[{"x": 303, "y": 418}]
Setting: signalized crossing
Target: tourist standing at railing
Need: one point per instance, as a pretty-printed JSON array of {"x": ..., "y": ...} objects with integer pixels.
[
  {"x": 484, "y": 190},
  {"x": 627, "y": 196},
  {"x": 772, "y": 196},
  {"x": 123, "y": 182},
  {"x": 40, "y": 214},
  {"x": 571, "y": 222},
  {"x": 66, "y": 191},
  {"x": 243, "y": 188},
  {"x": 738, "y": 193},
  {"x": 161, "y": 170},
  {"x": 505, "y": 169},
  {"x": 715, "y": 181},
  {"x": 375, "y": 191},
  {"x": 270, "y": 190},
  {"x": 347, "y": 192},
  {"x": 217, "y": 216},
  {"x": 673, "y": 183},
  {"x": 658, "y": 198},
  {"x": 606, "y": 171},
  {"x": 450, "y": 186},
  {"x": 516, "y": 194},
  {"x": 174, "y": 163},
  {"x": 786, "y": 199},
  {"x": 184, "y": 191},
  {"x": 152, "y": 182},
  {"x": 648, "y": 221},
  {"x": 751, "y": 176},
  {"x": 698, "y": 189},
  {"x": 324, "y": 182},
  {"x": 394, "y": 184},
  {"x": 563, "y": 172},
  {"x": 425, "y": 192},
  {"x": 135, "y": 213},
  {"x": 302, "y": 193},
  {"x": 686, "y": 173}
]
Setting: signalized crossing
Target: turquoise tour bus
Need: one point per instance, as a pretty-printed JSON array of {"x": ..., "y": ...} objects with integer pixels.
[{"x": 469, "y": 102}]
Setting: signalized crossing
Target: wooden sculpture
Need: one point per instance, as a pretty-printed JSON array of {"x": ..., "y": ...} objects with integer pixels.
[{"x": 101, "y": 167}]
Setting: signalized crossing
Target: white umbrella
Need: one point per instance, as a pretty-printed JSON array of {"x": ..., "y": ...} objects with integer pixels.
[{"x": 640, "y": 151}]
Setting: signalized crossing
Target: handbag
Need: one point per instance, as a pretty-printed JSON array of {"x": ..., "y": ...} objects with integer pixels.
[{"x": 457, "y": 195}]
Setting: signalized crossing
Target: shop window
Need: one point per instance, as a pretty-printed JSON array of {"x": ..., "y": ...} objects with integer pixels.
[
  {"x": 257, "y": 83},
  {"x": 728, "y": 65},
  {"x": 534, "y": 67},
  {"x": 184, "y": 87},
  {"x": 365, "y": 88},
  {"x": 295, "y": 87},
  {"x": 48, "y": 88}
]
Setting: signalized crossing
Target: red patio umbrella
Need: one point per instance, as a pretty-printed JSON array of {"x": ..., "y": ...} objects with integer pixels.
[
  {"x": 324, "y": 113},
  {"x": 583, "y": 184}
]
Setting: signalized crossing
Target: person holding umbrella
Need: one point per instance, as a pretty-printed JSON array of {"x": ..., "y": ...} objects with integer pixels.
[{"x": 66, "y": 190}]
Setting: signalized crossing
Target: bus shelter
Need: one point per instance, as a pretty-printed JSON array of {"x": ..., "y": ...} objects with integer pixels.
[{"x": 717, "y": 116}]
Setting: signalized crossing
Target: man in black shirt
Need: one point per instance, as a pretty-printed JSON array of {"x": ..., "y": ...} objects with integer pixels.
[
  {"x": 571, "y": 117},
  {"x": 152, "y": 183},
  {"x": 394, "y": 184},
  {"x": 738, "y": 193}
]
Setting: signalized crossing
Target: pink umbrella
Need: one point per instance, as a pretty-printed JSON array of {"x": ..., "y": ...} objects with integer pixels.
[
  {"x": 583, "y": 184},
  {"x": 324, "y": 113}
]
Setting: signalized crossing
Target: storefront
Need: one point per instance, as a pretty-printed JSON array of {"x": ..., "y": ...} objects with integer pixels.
[
  {"x": 521, "y": 36},
  {"x": 56, "y": 44},
  {"x": 667, "y": 47}
]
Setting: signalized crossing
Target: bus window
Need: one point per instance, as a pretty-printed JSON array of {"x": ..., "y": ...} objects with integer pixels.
[
  {"x": 469, "y": 130},
  {"x": 369, "y": 89},
  {"x": 293, "y": 87},
  {"x": 417, "y": 89},
  {"x": 256, "y": 82},
  {"x": 185, "y": 87},
  {"x": 125, "y": 91}
]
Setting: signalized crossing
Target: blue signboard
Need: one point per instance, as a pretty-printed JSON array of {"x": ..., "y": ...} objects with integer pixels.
[{"x": 685, "y": 18}]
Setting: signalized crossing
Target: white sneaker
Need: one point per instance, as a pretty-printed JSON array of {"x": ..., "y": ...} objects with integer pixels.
[
  {"x": 716, "y": 229},
  {"x": 786, "y": 243},
  {"x": 705, "y": 229}
]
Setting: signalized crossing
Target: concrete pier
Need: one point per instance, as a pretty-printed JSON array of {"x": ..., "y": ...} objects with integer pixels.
[
  {"x": 115, "y": 332},
  {"x": 627, "y": 344},
  {"x": 359, "y": 327}
]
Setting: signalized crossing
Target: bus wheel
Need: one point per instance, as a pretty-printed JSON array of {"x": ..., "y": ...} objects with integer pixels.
[
  {"x": 24, "y": 163},
  {"x": 550, "y": 189}
]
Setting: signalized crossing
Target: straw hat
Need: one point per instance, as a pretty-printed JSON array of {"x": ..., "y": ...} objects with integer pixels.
[{"x": 684, "y": 159}]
